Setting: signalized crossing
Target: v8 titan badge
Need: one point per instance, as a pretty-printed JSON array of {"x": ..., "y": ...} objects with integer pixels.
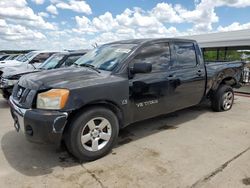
[{"x": 146, "y": 103}]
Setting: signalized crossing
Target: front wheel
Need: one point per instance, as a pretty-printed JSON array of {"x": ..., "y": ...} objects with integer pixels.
[
  {"x": 223, "y": 98},
  {"x": 92, "y": 134}
]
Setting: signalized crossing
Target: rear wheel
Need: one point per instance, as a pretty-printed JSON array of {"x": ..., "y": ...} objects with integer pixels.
[
  {"x": 92, "y": 134},
  {"x": 223, "y": 98}
]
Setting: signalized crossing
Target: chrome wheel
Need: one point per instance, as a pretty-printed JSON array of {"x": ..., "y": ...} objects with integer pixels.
[
  {"x": 96, "y": 134},
  {"x": 228, "y": 100}
]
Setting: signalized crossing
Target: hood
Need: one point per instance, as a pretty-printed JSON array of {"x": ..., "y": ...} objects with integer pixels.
[
  {"x": 70, "y": 78},
  {"x": 10, "y": 63},
  {"x": 17, "y": 72}
]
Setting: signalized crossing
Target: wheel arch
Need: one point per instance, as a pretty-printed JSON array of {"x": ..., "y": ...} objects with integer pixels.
[
  {"x": 99, "y": 103},
  {"x": 229, "y": 80}
]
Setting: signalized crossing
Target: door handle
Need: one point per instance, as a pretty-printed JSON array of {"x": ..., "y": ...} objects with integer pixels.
[
  {"x": 170, "y": 76},
  {"x": 199, "y": 73}
]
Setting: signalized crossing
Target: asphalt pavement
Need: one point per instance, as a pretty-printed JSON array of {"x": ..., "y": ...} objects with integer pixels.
[{"x": 194, "y": 148}]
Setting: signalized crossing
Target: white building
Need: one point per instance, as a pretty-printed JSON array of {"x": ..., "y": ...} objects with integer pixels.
[{"x": 240, "y": 39}]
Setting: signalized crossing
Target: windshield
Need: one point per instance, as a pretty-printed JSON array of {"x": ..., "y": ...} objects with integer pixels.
[
  {"x": 3, "y": 57},
  {"x": 52, "y": 62},
  {"x": 20, "y": 57},
  {"x": 107, "y": 56},
  {"x": 27, "y": 57},
  {"x": 9, "y": 58}
]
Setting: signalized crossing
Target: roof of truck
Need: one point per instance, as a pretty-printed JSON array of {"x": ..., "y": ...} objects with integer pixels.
[
  {"x": 141, "y": 41},
  {"x": 72, "y": 53},
  {"x": 46, "y": 51}
]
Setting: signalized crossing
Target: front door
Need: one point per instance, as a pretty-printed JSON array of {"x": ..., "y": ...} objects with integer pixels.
[{"x": 148, "y": 91}]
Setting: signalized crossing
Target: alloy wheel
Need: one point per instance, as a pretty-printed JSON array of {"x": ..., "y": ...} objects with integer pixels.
[{"x": 96, "y": 134}]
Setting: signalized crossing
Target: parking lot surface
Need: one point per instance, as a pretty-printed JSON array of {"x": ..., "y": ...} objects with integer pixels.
[{"x": 190, "y": 148}]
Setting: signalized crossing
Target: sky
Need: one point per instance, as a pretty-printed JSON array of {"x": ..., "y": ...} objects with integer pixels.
[{"x": 79, "y": 24}]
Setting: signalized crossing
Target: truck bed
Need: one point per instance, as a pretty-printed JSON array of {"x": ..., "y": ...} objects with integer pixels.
[{"x": 218, "y": 70}]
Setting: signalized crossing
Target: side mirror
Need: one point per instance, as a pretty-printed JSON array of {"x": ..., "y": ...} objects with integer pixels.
[{"x": 141, "y": 68}]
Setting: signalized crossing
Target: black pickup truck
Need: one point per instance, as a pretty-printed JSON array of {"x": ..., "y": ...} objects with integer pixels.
[{"x": 115, "y": 85}]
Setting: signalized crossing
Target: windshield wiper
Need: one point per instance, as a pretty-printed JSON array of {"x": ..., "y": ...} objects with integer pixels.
[
  {"x": 88, "y": 66},
  {"x": 29, "y": 61}
]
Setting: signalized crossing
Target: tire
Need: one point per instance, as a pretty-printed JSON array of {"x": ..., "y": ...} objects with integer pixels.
[
  {"x": 92, "y": 134},
  {"x": 222, "y": 99}
]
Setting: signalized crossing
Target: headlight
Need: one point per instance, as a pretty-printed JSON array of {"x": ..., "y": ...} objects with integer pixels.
[
  {"x": 53, "y": 99},
  {"x": 7, "y": 83},
  {"x": 11, "y": 82}
]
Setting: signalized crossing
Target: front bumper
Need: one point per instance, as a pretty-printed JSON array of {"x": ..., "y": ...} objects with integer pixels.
[{"x": 39, "y": 126}]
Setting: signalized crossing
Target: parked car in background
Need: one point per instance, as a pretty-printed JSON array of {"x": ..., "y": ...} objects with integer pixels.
[
  {"x": 31, "y": 59},
  {"x": 3, "y": 57},
  {"x": 115, "y": 85},
  {"x": 64, "y": 59},
  {"x": 12, "y": 57},
  {"x": 20, "y": 57},
  {"x": 10, "y": 76}
]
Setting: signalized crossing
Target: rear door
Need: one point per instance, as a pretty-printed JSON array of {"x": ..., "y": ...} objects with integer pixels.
[{"x": 187, "y": 76}]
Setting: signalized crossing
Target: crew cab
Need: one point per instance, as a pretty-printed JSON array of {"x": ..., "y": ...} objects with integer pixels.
[
  {"x": 115, "y": 85},
  {"x": 10, "y": 76}
]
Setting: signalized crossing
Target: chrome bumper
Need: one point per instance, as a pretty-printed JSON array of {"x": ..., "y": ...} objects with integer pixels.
[
  {"x": 17, "y": 115},
  {"x": 40, "y": 126}
]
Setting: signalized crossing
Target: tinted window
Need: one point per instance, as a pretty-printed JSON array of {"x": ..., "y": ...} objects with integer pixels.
[
  {"x": 156, "y": 54},
  {"x": 52, "y": 62},
  {"x": 40, "y": 58},
  {"x": 70, "y": 60},
  {"x": 186, "y": 56}
]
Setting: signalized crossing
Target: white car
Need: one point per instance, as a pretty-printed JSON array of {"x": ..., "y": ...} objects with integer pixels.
[{"x": 31, "y": 59}]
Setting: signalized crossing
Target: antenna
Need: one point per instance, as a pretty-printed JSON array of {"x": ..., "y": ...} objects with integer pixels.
[{"x": 95, "y": 45}]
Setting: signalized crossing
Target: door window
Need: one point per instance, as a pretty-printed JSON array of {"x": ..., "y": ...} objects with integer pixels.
[
  {"x": 40, "y": 58},
  {"x": 185, "y": 53},
  {"x": 156, "y": 54},
  {"x": 70, "y": 60}
]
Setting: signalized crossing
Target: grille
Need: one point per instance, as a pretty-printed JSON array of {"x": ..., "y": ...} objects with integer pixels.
[
  {"x": 20, "y": 93},
  {"x": 23, "y": 96}
]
